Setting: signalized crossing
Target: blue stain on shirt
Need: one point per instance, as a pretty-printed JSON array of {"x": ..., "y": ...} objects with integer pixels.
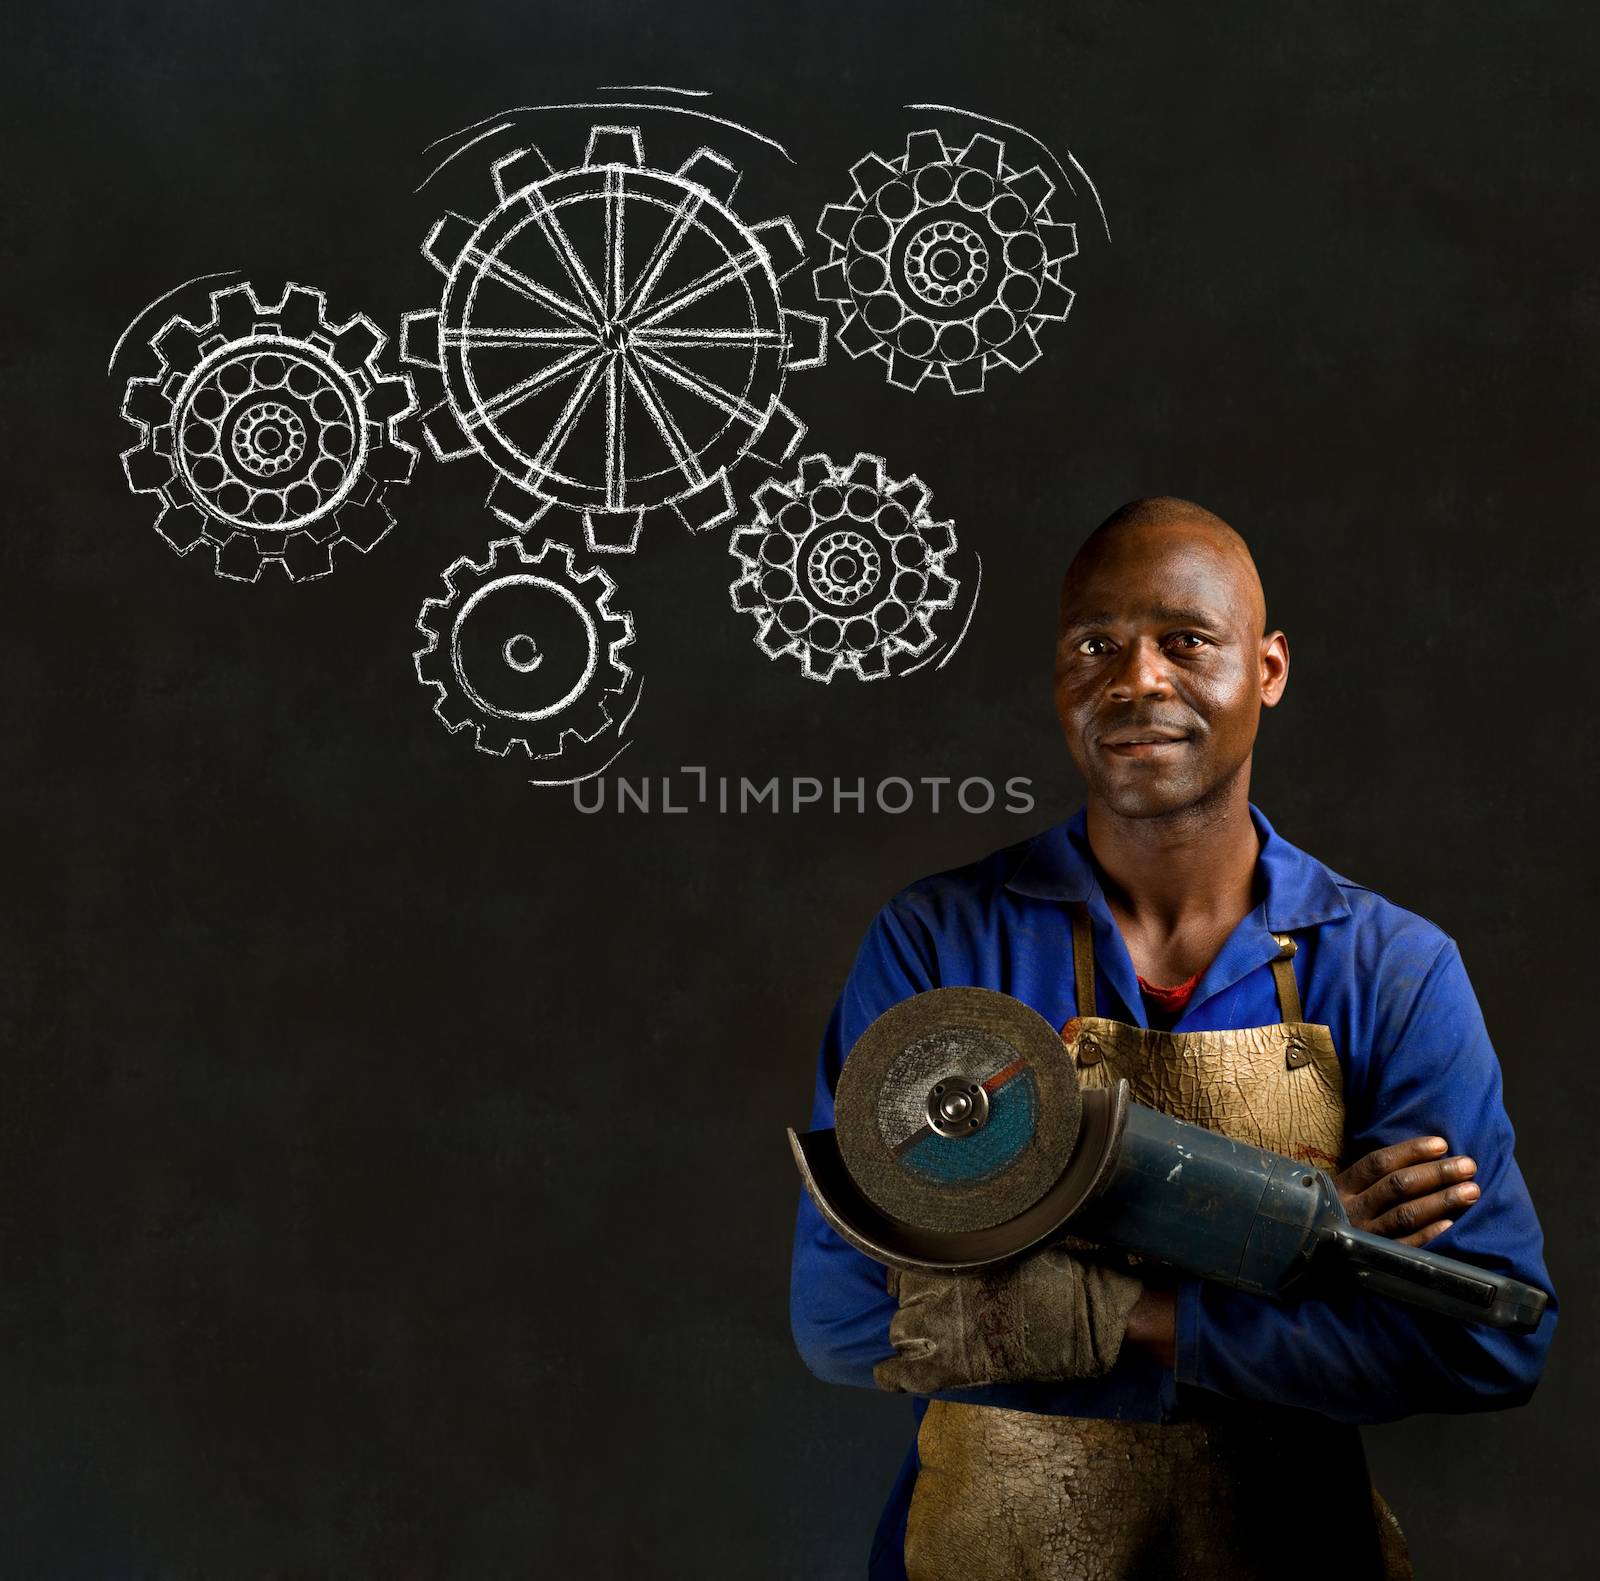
[{"x": 1417, "y": 1061}]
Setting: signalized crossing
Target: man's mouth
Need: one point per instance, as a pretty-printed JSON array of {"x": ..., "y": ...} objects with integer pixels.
[{"x": 1147, "y": 741}]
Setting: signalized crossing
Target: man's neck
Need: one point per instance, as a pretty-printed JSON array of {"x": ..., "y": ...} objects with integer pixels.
[{"x": 1180, "y": 883}]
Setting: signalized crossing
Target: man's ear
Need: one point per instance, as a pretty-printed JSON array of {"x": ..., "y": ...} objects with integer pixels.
[{"x": 1274, "y": 667}]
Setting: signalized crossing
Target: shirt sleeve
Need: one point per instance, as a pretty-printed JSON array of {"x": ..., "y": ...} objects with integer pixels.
[
  {"x": 839, "y": 1301},
  {"x": 1360, "y": 1358}
]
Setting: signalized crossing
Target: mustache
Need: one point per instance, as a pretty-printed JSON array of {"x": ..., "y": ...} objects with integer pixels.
[{"x": 1147, "y": 719}]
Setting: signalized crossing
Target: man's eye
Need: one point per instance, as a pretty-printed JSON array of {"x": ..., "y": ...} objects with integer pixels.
[
  {"x": 1093, "y": 647},
  {"x": 1186, "y": 641}
]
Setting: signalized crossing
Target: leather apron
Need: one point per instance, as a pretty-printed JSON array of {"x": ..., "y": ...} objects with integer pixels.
[{"x": 1226, "y": 1491}]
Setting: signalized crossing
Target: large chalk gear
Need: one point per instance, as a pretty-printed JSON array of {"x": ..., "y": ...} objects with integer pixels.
[{"x": 963, "y": 1140}]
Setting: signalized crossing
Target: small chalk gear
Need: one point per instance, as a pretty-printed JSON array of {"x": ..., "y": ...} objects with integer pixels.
[
  {"x": 843, "y": 569},
  {"x": 525, "y": 650},
  {"x": 270, "y": 433},
  {"x": 944, "y": 264}
]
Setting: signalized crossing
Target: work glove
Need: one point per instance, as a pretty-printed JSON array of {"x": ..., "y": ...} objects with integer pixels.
[{"x": 1048, "y": 1316}]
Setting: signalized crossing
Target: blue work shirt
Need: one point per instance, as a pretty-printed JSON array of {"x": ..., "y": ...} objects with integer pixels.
[{"x": 1416, "y": 1059}]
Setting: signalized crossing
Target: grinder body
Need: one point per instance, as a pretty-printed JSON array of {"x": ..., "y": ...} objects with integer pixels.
[{"x": 1258, "y": 1221}]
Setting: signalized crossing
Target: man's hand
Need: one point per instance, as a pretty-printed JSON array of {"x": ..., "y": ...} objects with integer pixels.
[{"x": 1407, "y": 1192}]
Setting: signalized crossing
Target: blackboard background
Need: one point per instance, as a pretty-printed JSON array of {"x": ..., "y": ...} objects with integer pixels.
[{"x": 394, "y": 1181}]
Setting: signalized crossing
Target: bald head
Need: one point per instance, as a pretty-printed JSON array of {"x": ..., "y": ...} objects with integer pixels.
[
  {"x": 1163, "y": 660},
  {"x": 1144, "y": 531}
]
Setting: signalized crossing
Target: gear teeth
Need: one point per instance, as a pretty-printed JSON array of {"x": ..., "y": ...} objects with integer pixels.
[
  {"x": 143, "y": 402},
  {"x": 867, "y": 471},
  {"x": 612, "y": 532},
  {"x": 966, "y": 378},
  {"x": 1033, "y": 186},
  {"x": 814, "y": 472},
  {"x": 234, "y": 311},
  {"x": 771, "y": 497},
  {"x": 941, "y": 591},
  {"x": 452, "y": 712},
  {"x": 829, "y": 283},
  {"x": 855, "y": 337},
  {"x": 514, "y": 503},
  {"x": 781, "y": 242},
  {"x": 238, "y": 559},
  {"x": 745, "y": 543},
  {"x": 746, "y": 595},
  {"x": 496, "y": 739},
  {"x": 447, "y": 241},
  {"x": 553, "y": 557},
  {"x": 177, "y": 343},
  {"x": 774, "y": 641},
  {"x": 147, "y": 472},
  {"x": 925, "y": 148},
  {"x": 984, "y": 153},
  {"x": 911, "y": 495},
  {"x": 1060, "y": 241},
  {"x": 816, "y": 665},
  {"x": 837, "y": 223},
  {"x": 359, "y": 341},
  {"x": 419, "y": 339},
  {"x": 447, "y": 439},
  {"x": 364, "y": 525},
  {"x": 458, "y": 575},
  {"x": 870, "y": 174},
  {"x": 581, "y": 723},
  {"x": 707, "y": 506},
  {"x": 614, "y": 145},
  {"x": 1021, "y": 350},
  {"x": 305, "y": 559},
  {"x": 872, "y": 664},
  {"x": 390, "y": 398},
  {"x": 518, "y": 170},
  {"x": 780, "y": 433},
  {"x": 302, "y": 312},
  {"x": 916, "y": 636},
  {"x": 906, "y": 373},
  {"x": 182, "y": 526},
  {"x": 431, "y": 661},
  {"x": 707, "y": 168},
  {"x": 1055, "y": 300},
  {"x": 940, "y": 537},
  {"x": 806, "y": 337}
]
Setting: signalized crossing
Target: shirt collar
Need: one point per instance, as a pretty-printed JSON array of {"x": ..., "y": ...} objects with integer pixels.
[{"x": 1297, "y": 890}]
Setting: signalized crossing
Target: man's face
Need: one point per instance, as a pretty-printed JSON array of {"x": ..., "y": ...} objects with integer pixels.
[{"x": 1162, "y": 669}]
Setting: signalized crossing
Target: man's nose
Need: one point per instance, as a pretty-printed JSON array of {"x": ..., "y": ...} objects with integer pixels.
[{"x": 1141, "y": 673}]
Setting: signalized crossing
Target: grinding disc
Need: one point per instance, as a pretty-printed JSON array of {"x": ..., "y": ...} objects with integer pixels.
[{"x": 957, "y": 1109}]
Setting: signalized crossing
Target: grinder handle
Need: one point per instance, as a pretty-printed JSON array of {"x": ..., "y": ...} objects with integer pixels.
[{"x": 1439, "y": 1284}]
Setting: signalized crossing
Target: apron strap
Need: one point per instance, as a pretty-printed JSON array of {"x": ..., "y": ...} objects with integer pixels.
[
  {"x": 1289, "y": 1008},
  {"x": 1083, "y": 959}
]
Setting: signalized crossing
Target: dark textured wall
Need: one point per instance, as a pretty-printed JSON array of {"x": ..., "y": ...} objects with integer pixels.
[{"x": 394, "y": 1179}]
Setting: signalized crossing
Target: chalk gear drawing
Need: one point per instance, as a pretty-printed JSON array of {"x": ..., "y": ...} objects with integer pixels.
[
  {"x": 524, "y": 650},
  {"x": 611, "y": 338},
  {"x": 945, "y": 264},
  {"x": 842, "y": 569},
  {"x": 269, "y": 433}
]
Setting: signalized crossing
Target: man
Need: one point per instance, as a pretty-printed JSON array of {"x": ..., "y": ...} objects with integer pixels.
[{"x": 1084, "y": 1418}]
